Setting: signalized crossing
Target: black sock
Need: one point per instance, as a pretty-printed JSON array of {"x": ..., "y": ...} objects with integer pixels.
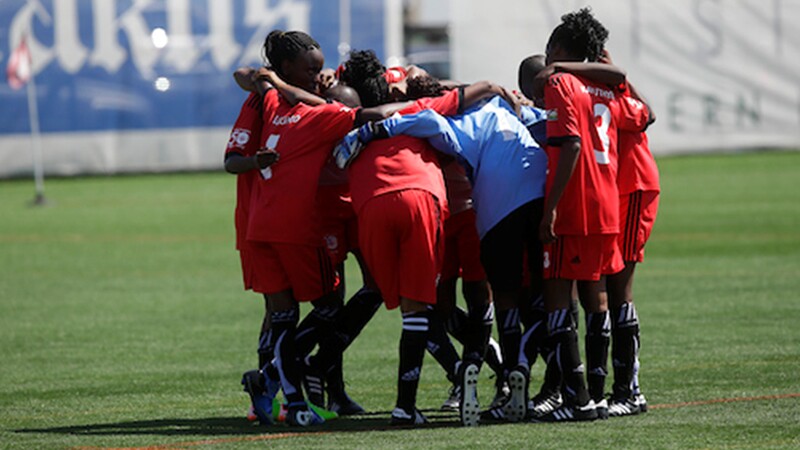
[
  {"x": 284, "y": 328},
  {"x": 440, "y": 347},
  {"x": 567, "y": 355},
  {"x": 315, "y": 327},
  {"x": 625, "y": 339},
  {"x": 481, "y": 319},
  {"x": 510, "y": 333},
  {"x": 598, "y": 337},
  {"x": 352, "y": 319},
  {"x": 412, "y": 351}
]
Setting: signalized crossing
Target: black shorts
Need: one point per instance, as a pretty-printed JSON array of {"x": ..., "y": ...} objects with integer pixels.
[{"x": 506, "y": 244}]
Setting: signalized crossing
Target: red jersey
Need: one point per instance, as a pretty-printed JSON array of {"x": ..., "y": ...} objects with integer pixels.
[
  {"x": 637, "y": 167},
  {"x": 244, "y": 140},
  {"x": 401, "y": 162},
  {"x": 592, "y": 113},
  {"x": 282, "y": 207}
]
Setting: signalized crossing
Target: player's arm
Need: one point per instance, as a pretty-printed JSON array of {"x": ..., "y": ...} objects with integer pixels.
[
  {"x": 292, "y": 94},
  {"x": 599, "y": 72},
  {"x": 237, "y": 163},
  {"x": 484, "y": 89},
  {"x": 247, "y": 79},
  {"x": 568, "y": 157}
]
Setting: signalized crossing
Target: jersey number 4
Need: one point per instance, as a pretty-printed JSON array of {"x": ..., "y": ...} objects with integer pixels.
[
  {"x": 272, "y": 142},
  {"x": 602, "y": 120}
]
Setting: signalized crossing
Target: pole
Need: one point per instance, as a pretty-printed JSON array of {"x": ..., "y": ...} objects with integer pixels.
[{"x": 36, "y": 141}]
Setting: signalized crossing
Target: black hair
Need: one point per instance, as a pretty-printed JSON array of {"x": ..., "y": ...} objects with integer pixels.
[
  {"x": 528, "y": 69},
  {"x": 280, "y": 46},
  {"x": 363, "y": 72},
  {"x": 424, "y": 86},
  {"x": 581, "y": 35}
]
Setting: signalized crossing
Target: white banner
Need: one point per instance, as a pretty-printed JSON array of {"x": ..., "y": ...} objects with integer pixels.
[{"x": 719, "y": 74}]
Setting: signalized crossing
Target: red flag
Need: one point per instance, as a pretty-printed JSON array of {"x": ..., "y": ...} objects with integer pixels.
[{"x": 19, "y": 66}]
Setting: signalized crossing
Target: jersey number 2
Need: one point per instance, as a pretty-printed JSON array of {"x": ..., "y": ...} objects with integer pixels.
[{"x": 602, "y": 120}]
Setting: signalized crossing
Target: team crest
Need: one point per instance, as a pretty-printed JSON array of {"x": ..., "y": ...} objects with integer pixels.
[{"x": 552, "y": 115}]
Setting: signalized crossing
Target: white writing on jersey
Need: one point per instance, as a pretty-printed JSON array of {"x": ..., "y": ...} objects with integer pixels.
[{"x": 239, "y": 138}]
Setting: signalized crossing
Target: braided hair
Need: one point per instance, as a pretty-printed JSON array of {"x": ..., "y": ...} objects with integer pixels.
[
  {"x": 363, "y": 72},
  {"x": 424, "y": 86},
  {"x": 581, "y": 35},
  {"x": 280, "y": 46}
]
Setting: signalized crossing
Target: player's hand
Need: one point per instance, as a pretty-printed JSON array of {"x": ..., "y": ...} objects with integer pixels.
[
  {"x": 546, "y": 229},
  {"x": 266, "y": 157},
  {"x": 513, "y": 99},
  {"x": 244, "y": 78},
  {"x": 605, "y": 57}
]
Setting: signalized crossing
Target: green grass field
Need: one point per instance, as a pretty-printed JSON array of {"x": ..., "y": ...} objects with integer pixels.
[{"x": 123, "y": 323}]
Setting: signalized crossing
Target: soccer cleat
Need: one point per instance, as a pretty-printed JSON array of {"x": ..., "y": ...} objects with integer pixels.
[
  {"x": 251, "y": 414},
  {"x": 494, "y": 414},
  {"x": 343, "y": 405},
  {"x": 314, "y": 385},
  {"x": 641, "y": 401},
  {"x": 623, "y": 407},
  {"x": 601, "y": 407},
  {"x": 544, "y": 403},
  {"x": 514, "y": 408},
  {"x": 570, "y": 413},
  {"x": 261, "y": 400},
  {"x": 500, "y": 395},
  {"x": 468, "y": 408},
  {"x": 301, "y": 414},
  {"x": 401, "y": 417},
  {"x": 453, "y": 401}
]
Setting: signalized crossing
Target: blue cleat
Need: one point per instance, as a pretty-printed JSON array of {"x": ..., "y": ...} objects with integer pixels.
[{"x": 255, "y": 384}]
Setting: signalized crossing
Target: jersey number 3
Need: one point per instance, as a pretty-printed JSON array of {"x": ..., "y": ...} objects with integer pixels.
[{"x": 602, "y": 120}]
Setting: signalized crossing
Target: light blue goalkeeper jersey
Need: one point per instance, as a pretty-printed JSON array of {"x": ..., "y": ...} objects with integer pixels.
[{"x": 505, "y": 164}]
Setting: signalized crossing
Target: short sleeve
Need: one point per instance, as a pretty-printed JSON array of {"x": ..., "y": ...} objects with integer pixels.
[
  {"x": 562, "y": 114},
  {"x": 633, "y": 114},
  {"x": 246, "y": 131},
  {"x": 332, "y": 121}
]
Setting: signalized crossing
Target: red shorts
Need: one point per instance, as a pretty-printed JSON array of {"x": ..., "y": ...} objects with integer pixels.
[
  {"x": 581, "y": 257},
  {"x": 637, "y": 213},
  {"x": 337, "y": 221},
  {"x": 248, "y": 274},
  {"x": 462, "y": 248},
  {"x": 400, "y": 234},
  {"x": 305, "y": 269}
]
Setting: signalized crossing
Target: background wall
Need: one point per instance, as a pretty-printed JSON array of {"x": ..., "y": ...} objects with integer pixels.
[{"x": 720, "y": 74}]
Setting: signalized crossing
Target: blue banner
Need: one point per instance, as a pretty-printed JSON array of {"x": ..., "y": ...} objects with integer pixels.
[{"x": 101, "y": 65}]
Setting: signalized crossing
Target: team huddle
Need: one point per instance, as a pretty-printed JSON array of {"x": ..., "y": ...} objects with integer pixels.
[{"x": 539, "y": 201}]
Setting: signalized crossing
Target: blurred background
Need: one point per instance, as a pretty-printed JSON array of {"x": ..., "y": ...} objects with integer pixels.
[{"x": 104, "y": 87}]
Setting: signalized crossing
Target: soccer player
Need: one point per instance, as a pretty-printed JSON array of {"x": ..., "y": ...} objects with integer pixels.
[
  {"x": 532, "y": 75},
  {"x": 639, "y": 188},
  {"x": 243, "y": 158},
  {"x": 581, "y": 219},
  {"x": 340, "y": 235},
  {"x": 282, "y": 230}
]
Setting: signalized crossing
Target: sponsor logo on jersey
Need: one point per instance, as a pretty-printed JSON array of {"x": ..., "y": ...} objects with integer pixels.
[
  {"x": 598, "y": 92},
  {"x": 286, "y": 120},
  {"x": 239, "y": 138}
]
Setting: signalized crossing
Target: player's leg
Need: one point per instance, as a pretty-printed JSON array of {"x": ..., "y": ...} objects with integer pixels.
[
  {"x": 597, "y": 340},
  {"x": 564, "y": 261},
  {"x": 625, "y": 333}
]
